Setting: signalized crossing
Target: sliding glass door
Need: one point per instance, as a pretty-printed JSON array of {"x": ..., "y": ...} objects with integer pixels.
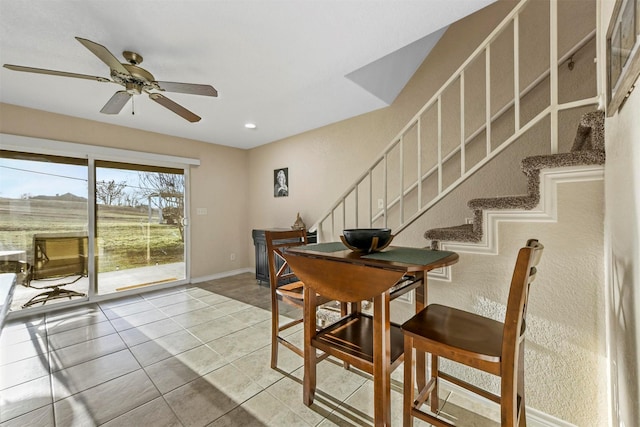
[
  {"x": 45, "y": 232},
  {"x": 43, "y": 226},
  {"x": 139, "y": 226}
]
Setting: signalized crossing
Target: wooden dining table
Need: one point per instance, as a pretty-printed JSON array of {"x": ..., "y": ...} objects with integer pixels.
[{"x": 371, "y": 343}]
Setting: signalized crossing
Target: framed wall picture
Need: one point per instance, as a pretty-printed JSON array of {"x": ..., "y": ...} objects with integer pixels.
[
  {"x": 623, "y": 53},
  {"x": 281, "y": 182}
]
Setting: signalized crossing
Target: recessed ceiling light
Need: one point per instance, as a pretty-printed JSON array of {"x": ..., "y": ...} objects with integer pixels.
[{"x": 250, "y": 125}]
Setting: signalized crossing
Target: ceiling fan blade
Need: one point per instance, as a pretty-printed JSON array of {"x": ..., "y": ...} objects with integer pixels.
[
  {"x": 176, "y": 108},
  {"x": 117, "y": 101},
  {"x": 54, "y": 72},
  {"x": 104, "y": 55},
  {"x": 193, "y": 89}
]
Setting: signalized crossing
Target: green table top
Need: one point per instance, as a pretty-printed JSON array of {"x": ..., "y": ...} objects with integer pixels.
[
  {"x": 324, "y": 247},
  {"x": 409, "y": 255},
  {"x": 419, "y": 256}
]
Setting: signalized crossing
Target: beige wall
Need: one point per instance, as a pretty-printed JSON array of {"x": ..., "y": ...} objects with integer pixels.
[
  {"x": 324, "y": 162},
  {"x": 219, "y": 184},
  {"x": 567, "y": 345},
  {"x": 622, "y": 230}
]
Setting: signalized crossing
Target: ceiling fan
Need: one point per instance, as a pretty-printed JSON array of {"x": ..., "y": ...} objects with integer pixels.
[{"x": 135, "y": 80}]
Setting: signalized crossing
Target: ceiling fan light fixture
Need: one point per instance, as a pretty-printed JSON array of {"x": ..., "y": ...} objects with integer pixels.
[{"x": 132, "y": 58}]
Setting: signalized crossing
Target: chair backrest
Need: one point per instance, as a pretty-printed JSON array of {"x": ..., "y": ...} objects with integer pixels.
[
  {"x": 524, "y": 274},
  {"x": 279, "y": 273}
]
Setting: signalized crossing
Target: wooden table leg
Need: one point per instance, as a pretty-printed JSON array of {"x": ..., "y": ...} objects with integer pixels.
[
  {"x": 421, "y": 357},
  {"x": 309, "y": 380},
  {"x": 382, "y": 360}
]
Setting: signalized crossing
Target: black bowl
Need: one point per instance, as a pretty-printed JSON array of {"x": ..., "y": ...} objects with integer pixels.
[{"x": 363, "y": 239}]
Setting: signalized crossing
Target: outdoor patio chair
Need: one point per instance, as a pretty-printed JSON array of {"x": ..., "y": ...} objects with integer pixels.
[{"x": 57, "y": 256}]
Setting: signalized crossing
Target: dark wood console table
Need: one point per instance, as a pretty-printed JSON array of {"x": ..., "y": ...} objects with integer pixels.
[{"x": 262, "y": 263}]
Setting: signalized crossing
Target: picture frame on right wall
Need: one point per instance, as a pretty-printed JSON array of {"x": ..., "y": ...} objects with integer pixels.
[{"x": 623, "y": 53}]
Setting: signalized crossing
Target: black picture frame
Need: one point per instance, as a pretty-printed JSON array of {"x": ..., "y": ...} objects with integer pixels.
[
  {"x": 280, "y": 186},
  {"x": 623, "y": 53}
]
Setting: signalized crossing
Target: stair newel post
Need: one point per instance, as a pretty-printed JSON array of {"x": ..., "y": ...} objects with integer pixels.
[
  {"x": 463, "y": 152},
  {"x": 439, "y": 102},
  {"x": 419, "y": 158},
  {"x": 357, "y": 222},
  {"x": 487, "y": 76},
  {"x": 385, "y": 167},
  {"x": 516, "y": 73},
  {"x": 401, "y": 173},
  {"x": 553, "y": 73},
  {"x": 370, "y": 199},
  {"x": 344, "y": 212}
]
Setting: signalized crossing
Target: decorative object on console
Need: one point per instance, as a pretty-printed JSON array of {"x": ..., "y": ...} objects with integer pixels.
[{"x": 299, "y": 224}]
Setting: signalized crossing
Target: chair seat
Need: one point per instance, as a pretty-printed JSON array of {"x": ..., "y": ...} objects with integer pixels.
[
  {"x": 453, "y": 330},
  {"x": 291, "y": 290},
  {"x": 293, "y": 293}
]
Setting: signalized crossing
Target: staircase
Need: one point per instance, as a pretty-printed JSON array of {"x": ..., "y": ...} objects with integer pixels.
[
  {"x": 587, "y": 149},
  {"x": 422, "y": 164}
]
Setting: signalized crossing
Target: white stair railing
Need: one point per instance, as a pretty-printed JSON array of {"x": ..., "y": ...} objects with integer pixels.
[{"x": 403, "y": 200}]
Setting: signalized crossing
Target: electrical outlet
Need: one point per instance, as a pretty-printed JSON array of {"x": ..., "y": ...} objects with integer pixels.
[
  {"x": 232, "y": 257},
  {"x": 201, "y": 211},
  {"x": 380, "y": 203}
]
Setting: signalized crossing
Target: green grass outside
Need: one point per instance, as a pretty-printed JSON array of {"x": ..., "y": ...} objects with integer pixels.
[{"x": 125, "y": 237}]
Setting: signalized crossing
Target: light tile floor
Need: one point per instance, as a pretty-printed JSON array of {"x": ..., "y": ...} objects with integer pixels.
[
  {"x": 188, "y": 356},
  {"x": 108, "y": 283}
]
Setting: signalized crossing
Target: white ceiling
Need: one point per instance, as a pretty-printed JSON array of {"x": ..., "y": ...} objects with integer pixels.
[{"x": 287, "y": 65}]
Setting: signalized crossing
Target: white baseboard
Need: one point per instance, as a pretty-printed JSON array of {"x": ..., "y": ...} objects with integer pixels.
[
  {"x": 221, "y": 275},
  {"x": 535, "y": 418}
]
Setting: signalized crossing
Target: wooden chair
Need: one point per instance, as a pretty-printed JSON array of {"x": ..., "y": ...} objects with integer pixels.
[
  {"x": 285, "y": 286},
  {"x": 475, "y": 341}
]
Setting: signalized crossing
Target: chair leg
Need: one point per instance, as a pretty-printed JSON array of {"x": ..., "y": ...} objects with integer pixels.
[
  {"x": 409, "y": 383},
  {"x": 435, "y": 400},
  {"x": 310, "y": 357},
  {"x": 275, "y": 326},
  {"x": 521, "y": 406},
  {"x": 512, "y": 401},
  {"x": 344, "y": 310}
]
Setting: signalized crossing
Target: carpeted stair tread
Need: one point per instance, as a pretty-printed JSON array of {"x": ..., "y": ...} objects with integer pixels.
[
  {"x": 459, "y": 233},
  {"x": 506, "y": 202},
  {"x": 587, "y": 149},
  {"x": 575, "y": 158}
]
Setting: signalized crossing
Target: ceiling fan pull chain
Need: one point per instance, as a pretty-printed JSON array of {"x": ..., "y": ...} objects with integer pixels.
[{"x": 133, "y": 113}]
